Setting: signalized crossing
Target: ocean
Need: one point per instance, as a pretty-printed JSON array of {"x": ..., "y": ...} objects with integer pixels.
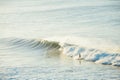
[{"x": 59, "y": 39}]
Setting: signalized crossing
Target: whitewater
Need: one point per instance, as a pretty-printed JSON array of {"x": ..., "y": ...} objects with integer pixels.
[{"x": 59, "y": 40}]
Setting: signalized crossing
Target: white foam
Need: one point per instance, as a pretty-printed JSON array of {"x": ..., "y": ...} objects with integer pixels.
[
  {"x": 95, "y": 50},
  {"x": 95, "y": 43}
]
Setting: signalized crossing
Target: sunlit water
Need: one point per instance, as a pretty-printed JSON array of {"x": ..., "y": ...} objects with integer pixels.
[{"x": 92, "y": 25}]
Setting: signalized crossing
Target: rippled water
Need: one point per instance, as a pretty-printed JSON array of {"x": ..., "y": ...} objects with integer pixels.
[{"x": 44, "y": 18}]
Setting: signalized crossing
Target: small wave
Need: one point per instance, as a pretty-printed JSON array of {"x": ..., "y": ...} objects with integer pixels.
[
  {"x": 8, "y": 44},
  {"x": 75, "y": 51}
]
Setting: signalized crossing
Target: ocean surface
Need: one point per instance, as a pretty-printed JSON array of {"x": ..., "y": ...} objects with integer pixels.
[{"x": 59, "y": 39}]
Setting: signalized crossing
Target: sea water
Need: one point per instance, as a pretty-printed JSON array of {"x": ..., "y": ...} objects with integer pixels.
[{"x": 43, "y": 39}]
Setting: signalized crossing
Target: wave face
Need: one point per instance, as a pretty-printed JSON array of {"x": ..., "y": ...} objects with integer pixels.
[
  {"x": 78, "y": 52},
  {"x": 33, "y": 47}
]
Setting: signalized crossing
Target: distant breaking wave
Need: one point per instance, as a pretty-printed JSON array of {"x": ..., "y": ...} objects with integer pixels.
[{"x": 78, "y": 52}]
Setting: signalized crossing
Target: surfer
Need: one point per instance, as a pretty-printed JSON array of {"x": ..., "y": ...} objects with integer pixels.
[{"x": 79, "y": 57}]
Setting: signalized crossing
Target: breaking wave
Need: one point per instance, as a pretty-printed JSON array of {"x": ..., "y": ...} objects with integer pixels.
[{"x": 76, "y": 51}]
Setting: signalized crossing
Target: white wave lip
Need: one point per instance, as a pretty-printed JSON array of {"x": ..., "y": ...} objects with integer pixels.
[{"x": 94, "y": 50}]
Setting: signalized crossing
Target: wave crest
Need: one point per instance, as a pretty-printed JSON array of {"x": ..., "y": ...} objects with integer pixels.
[
  {"x": 91, "y": 54},
  {"x": 28, "y": 43},
  {"x": 54, "y": 47}
]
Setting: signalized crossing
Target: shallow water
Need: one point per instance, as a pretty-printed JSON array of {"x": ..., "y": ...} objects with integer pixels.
[{"x": 35, "y": 67}]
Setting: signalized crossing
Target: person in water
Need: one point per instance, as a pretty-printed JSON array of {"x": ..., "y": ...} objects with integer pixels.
[{"x": 78, "y": 57}]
